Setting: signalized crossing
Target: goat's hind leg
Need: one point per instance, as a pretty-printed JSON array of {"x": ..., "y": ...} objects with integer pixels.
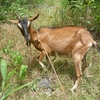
[
  {"x": 77, "y": 56},
  {"x": 77, "y": 66},
  {"x": 85, "y": 67}
]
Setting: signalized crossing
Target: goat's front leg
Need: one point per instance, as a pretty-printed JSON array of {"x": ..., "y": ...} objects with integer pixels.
[{"x": 40, "y": 57}]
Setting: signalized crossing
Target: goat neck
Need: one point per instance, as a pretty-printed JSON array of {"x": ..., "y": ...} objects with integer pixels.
[{"x": 33, "y": 34}]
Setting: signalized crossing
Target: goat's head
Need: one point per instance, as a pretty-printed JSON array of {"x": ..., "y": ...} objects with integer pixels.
[{"x": 24, "y": 25}]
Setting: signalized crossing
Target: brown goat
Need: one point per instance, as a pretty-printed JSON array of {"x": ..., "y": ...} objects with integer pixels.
[{"x": 66, "y": 40}]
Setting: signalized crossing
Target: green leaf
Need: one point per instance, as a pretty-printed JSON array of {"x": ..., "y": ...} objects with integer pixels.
[
  {"x": 3, "y": 85},
  {"x": 33, "y": 87},
  {"x": 6, "y": 94},
  {"x": 3, "y": 68},
  {"x": 20, "y": 87},
  {"x": 11, "y": 74},
  {"x": 88, "y": 21},
  {"x": 0, "y": 93},
  {"x": 23, "y": 71}
]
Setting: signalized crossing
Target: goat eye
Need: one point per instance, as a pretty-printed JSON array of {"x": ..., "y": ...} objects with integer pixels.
[
  {"x": 19, "y": 25},
  {"x": 28, "y": 23}
]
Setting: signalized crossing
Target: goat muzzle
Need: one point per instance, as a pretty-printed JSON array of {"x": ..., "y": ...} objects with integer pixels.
[{"x": 28, "y": 42}]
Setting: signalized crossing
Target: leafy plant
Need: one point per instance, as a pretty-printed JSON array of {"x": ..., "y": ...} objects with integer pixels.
[
  {"x": 6, "y": 88},
  {"x": 3, "y": 69},
  {"x": 3, "y": 13},
  {"x": 15, "y": 57},
  {"x": 16, "y": 61},
  {"x": 21, "y": 10},
  {"x": 81, "y": 12},
  {"x": 23, "y": 72}
]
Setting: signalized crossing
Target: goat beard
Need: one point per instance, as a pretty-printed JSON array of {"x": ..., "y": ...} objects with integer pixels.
[{"x": 28, "y": 43}]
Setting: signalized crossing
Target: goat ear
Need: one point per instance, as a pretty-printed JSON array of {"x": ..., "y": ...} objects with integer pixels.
[
  {"x": 13, "y": 21},
  {"x": 33, "y": 18}
]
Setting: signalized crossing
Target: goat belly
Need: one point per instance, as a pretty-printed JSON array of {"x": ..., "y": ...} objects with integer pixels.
[{"x": 61, "y": 49}]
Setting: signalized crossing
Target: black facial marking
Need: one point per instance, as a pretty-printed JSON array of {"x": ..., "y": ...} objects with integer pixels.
[{"x": 24, "y": 29}]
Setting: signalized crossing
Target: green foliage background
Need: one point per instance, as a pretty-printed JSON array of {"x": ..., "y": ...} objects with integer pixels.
[{"x": 66, "y": 12}]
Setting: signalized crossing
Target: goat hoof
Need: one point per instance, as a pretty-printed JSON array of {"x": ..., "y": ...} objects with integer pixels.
[
  {"x": 89, "y": 76},
  {"x": 73, "y": 90},
  {"x": 45, "y": 71}
]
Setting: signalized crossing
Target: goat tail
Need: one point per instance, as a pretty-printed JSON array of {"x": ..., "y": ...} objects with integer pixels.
[{"x": 95, "y": 45}]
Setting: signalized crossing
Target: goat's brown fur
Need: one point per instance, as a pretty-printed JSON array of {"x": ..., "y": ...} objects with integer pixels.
[{"x": 66, "y": 40}]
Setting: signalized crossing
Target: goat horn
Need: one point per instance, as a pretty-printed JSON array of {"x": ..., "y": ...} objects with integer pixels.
[
  {"x": 13, "y": 21},
  {"x": 17, "y": 16},
  {"x": 33, "y": 18}
]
